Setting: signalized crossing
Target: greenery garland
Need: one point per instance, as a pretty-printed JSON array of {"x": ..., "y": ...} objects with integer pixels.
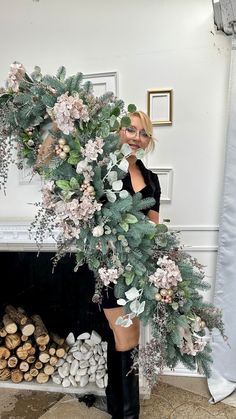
[{"x": 83, "y": 197}]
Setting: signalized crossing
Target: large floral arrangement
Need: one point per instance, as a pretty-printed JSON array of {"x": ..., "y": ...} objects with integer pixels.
[{"x": 82, "y": 166}]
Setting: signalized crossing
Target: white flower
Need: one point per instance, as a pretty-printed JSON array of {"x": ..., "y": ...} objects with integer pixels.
[
  {"x": 166, "y": 275},
  {"x": 98, "y": 231},
  {"x": 92, "y": 149}
]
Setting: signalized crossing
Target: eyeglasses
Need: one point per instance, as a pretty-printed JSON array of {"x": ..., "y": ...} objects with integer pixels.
[{"x": 132, "y": 132}]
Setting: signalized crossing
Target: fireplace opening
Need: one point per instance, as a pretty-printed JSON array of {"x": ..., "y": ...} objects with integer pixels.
[{"x": 63, "y": 299}]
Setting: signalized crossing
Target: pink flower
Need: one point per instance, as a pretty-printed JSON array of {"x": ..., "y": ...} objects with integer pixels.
[
  {"x": 67, "y": 110},
  {"x": 15, "y": 75},
  {"x": 167, "y": 274}
]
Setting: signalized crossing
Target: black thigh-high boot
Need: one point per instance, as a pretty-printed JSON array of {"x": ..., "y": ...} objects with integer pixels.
[
  {"x": 130, "y": 387},
  {"x": 114, "y": 393},
  {"x": 123, "y": 384}
]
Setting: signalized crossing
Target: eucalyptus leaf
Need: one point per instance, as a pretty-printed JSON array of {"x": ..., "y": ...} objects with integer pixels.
[
  {"x": 117, "y": 185},
  {"x": 111, "y": 196},
  {"x": 132, "y": 293},
  {"x": 63, "y": 184},
  {"x": 112, "y": 176},
  {"x": 121, "y": 302},
  {"x": 125, "y": 149},
  {"x": 123, "y": 194},
  {"x": 140, "y": 153},
  {"x": 130, "y": 219},
  {"x": 124, "y": 225},
  {"x": 125, "y": 121},
  {"x": 124, "y": 165},
  {"x": 131, "y": 108}
]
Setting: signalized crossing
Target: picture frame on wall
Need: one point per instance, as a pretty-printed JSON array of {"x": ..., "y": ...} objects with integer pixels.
[{"x": 159, "y": 106}]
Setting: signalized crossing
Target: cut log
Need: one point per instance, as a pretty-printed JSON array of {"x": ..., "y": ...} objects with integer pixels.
[
  {"x": 48, "y": 369},
  {"x": 12, "y": 361},
  {"x": 24, "y": 366},
  {"x": 41, "y": 334},
  {"x": 17, "y": 376},
  {"x": 27, "y": 345},
  {"x": 28, "y": 329},
  {"x": 3, "y": 331},
  {"x": 44, "y": 357},
  {"x": 42, "y": 348},
  {"x": 5, "y": 374},
  {"x": 12, "y": 341},
  {"x": 60, "y": 352},
  {"x": 31, "y": 359},
  {"x": 34, "y": 372},
  {"x": 3, "y": 364},
  {"x": 57, "y": 339},
  {"x": 42, "y": 378},
  {"x": 4, "y": 352},
  {"x": 53, "y": 360},
  {"x": 28, "y": 376},
  {"x": 52, "y": 349},
  {"x": 38, "y": 365},
  {"x": 24, "y": 338},
  {"x": 21, "y": 353},
  {"x": 9, "y": 324},
  {"x": 32, "y": 351},
  {"x": 16, "y": 316}
]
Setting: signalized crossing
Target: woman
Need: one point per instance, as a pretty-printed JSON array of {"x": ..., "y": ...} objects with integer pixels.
[{"x": 123, "y": 390}]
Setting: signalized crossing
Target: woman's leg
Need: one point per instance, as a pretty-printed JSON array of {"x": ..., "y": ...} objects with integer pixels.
[{"x": 123, "y": 383}]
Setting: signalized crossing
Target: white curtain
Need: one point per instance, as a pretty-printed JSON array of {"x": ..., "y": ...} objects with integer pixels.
[{"x": 223, "y": 380}]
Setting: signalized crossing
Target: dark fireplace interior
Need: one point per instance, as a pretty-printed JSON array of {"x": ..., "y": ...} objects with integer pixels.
[{"x": 63, "y": 299}]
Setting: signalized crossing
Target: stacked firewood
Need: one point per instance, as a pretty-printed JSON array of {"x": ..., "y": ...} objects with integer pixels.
[{"x": 27, "y": 351}]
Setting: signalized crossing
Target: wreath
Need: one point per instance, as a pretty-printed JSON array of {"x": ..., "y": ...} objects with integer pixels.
[{"x": 82, "y": 167}]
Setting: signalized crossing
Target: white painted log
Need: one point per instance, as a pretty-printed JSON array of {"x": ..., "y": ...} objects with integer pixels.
[
  {"x": 74, "y": 367},
  {"x": 89, "y": 342},
  {"x": 66, "y": 369},
  {"x": 95, "y": 350},
  {"x": 72, "y": 380},
  {"x": 70, "y": 340},
  {"x": 100, "y": 367},
  {"x": 69, "y": 358},
  {"x": 100, "y": 351},
  {"x": 83, "y": 336},
  {"x": 95, "y": 337},
  {"x": 82, "y": 371},
  {"x": 84, "y": 364},
  {"x": 60, "y": 362},
  {"x": 92, "y": 361},
  {"x": 96, "y": 357},
  {"x": 73, "y": 349},
  {"x": 100, "y": 374},
  {"x": 60, "y": 372},
  {"x": 84, "y": 380},
  {"x": 88, "y": 355},
  {"x": 66, "y": 382},
  {"x": 78, "y": 355},
  {"x": 92, "y": 369},
  {"x": 84, "y": 348},
  {"x": 56, "y": 379},
  {"x": 101, "y": 361},
  {"x": 104, "y": 346},
  {"x": 105, "y": 380},
  {"x": 77, "y": 377},
  {"x": 100, "y": 382},
  {"x": 92, "y": 378}
]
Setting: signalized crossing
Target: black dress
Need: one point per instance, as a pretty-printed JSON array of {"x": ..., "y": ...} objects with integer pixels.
[{"x": 153, "y": 190}]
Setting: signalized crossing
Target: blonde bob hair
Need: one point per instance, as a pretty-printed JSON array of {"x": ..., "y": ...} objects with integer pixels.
[{"x": 147, "y": 125}]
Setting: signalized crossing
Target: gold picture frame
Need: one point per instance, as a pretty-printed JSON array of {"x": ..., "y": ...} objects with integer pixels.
[{"x": 159, "y": 106}]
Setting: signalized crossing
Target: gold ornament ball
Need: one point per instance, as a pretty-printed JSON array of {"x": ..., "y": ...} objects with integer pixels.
[
  {"x": 66, "y": 148},
  {"x": 170, "y": 292},
  {"x": 158, "y": 296},
  {"x": 62, "y": 141},
  {"x": 62, "y": 155},
  {"x": 90, "y": 189},
  {"x": 163, "y": 292}
]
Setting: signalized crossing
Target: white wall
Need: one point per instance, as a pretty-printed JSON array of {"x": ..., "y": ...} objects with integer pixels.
[{"x": 151, "y": 44}]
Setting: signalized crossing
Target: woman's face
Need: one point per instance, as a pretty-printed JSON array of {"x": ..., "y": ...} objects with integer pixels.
[{"x": 135, "y": 135}]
